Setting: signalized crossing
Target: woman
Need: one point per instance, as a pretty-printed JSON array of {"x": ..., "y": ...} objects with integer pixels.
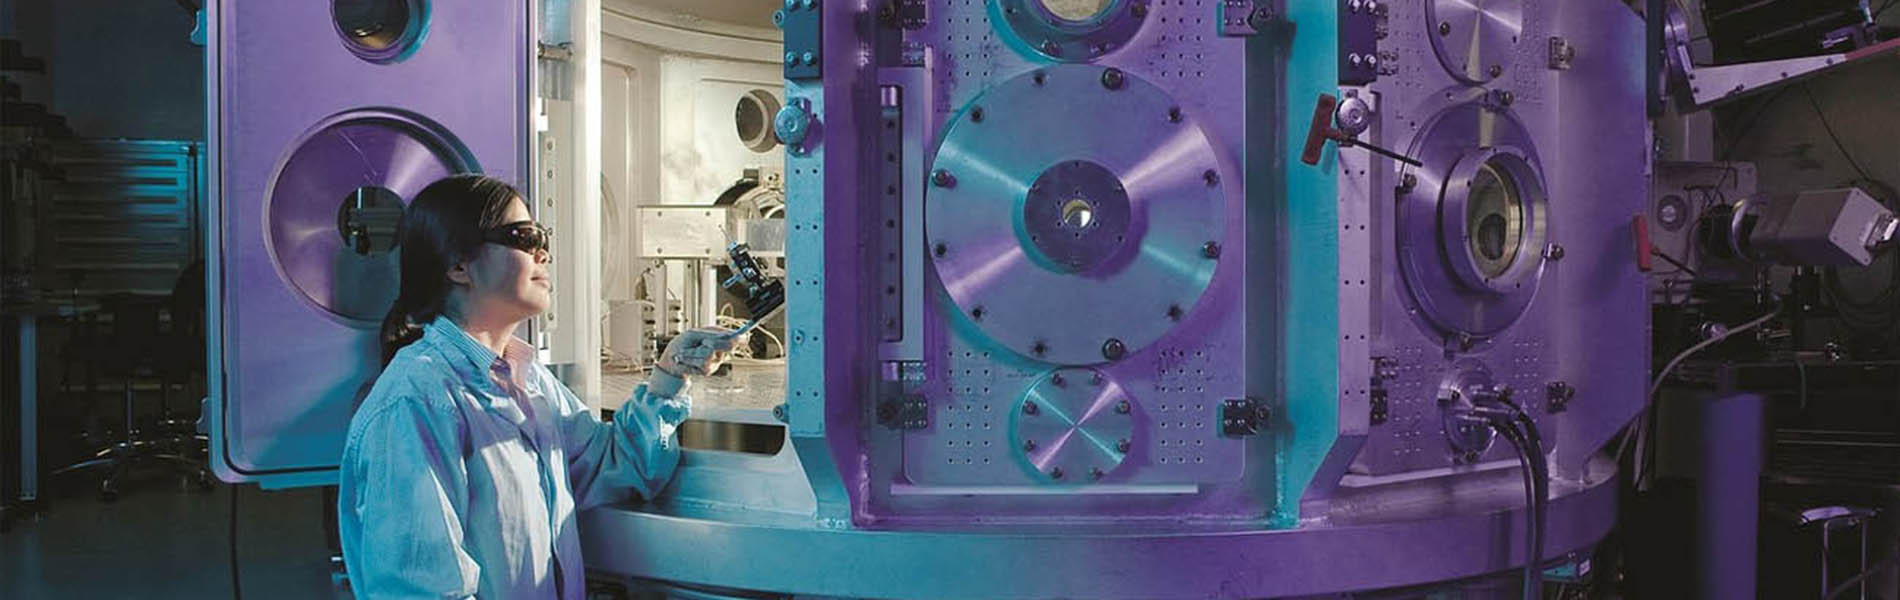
[{"x": 467, "y": 461}]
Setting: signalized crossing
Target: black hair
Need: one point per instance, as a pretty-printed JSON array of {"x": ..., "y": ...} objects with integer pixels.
[{"x": 442, "y": 226}]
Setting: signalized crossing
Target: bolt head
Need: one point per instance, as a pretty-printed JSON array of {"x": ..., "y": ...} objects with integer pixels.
[
  {"x": 1029, "y": 445},
  {"x": 1096, "y": 473},
  {"x": 1058, "y": 380},
  {"x": 1050, "y": 48},
  {"x": 1095, "y": 379},
  {"x": 1055, "y": 472},
  {"x": 1210, "y": 177},
  {"x": 1444, "y": 28},
  {"x": 1113, "y": 78},
  {"x": 976, "y": 115},
  {"x": 1174, "y": 312},
  {"x": 976, "y": 314},
  {"x": 942, "y": 178},
  {"x": 1122, "y": 407},
  {"x": 1554, "y": 252},
  {"x": 1496, "y": 70},
  {"x": 1210, "y": 250},
  {"x": 1174, "y": 114},
  {"x": 1039, "y": 348},
  {"x": 791, "y": 58},
  {"x": 1030, "y": 408},
  {"x": 1113, "y": 349},
  {"x": 1122, "y": 445}
]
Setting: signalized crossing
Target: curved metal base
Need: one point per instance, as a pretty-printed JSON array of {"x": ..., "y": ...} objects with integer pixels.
[{"x": 1397, "y": 534}]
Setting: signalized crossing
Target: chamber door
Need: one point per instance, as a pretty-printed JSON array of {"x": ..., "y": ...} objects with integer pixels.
[{"x": 325, "y": 118}]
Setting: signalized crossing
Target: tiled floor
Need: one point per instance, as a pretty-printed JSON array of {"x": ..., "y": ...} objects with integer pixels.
[{"x": 164, "y": 539}]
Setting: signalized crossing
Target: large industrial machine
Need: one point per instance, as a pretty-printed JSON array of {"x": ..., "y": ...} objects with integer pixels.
[{"x": 1089, "y": 298}]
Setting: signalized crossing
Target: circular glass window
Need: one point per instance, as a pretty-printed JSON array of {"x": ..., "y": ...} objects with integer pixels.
[
  {"x": 1076, "y": 10},
  {"x": 1494, "y": 219},
  {"x": 379, "y": 30}
]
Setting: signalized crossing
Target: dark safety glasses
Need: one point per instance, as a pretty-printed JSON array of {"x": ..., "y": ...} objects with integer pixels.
[{"x": 526, "y": 236}]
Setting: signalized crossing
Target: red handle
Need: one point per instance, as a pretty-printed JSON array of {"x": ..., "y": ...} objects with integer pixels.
[{"x": 1321, "y": 129}]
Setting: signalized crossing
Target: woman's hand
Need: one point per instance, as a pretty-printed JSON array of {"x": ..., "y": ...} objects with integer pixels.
[{"x": 696, "y": 352}]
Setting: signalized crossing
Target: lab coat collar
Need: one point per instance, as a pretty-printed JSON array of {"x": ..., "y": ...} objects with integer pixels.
[{"x": 479, "y": 364}]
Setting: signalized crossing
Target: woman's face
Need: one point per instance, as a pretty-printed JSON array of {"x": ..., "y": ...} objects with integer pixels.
[{"x": 505, "y": 283}]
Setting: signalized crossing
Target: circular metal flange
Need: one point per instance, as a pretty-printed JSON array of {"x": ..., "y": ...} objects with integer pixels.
[
  {"x": 1472, "y": 231},
  {"x": 1034, "y": 28},
  {"x": 1074, "y": 425},
  {"x": 393, "y": 154},
  {"x": 1475, "y": 39},
  {"x": 1066, "y": 239},
  {"x": 1467, "y": 435}
]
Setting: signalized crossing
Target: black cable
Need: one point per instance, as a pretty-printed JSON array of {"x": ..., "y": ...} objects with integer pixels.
[
  {"x": 1748, "y": 127},
  {"x": 1672, "y": 260},
  {"x": 1829, "y": 128},
  {"x": 1536, "y": 478},
  {"x": 1541, "y": 507},
  {"x": 237, "y": 590}
]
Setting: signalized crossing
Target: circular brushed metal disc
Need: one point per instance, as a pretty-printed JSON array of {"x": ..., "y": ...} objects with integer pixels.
[
  {"x": 389, "y": 152},
  {"x": 1476, "y": 39},
  {"x": 1075, "y": 213},
  {"x": 1075, "y": 425}
]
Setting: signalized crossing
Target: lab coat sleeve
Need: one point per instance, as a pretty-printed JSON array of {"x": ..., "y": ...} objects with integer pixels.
[
  {"x": 632, "y": 457},
  {"x": 406, "y": 463}
]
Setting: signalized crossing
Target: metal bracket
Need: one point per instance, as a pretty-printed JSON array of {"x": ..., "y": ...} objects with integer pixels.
[
  {"x": 908, "y": 412},
  {"x": 1557, "y": 395},
  {"x": 803, "y": 24},
  {"x": 1242, "y": 17},
  {"x": 1243, "y": 416},
  {"x": 1561, "y": 54}
]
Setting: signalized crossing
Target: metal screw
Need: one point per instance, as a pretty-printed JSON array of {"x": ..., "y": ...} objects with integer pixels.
[
  {"x": 1057, "y": 380},
  {"x": 942, "y": 178},
  {"x": 940, "y": 249},
  {"x": 1039, "y": 348},
  {"x": 1122, "y": 407},
  {"x": 1030, "y": 408},
  {"x": 1113, "y": 349},
  {"x": 1408, "y": 182},
  {"x": 1174, "y": 312},
  {"x": 1210, "y": 250},
  {"x": 976, "y": 115},
  {"x": 1496, "y": 70},
  {"x": 1122, "y": 446},
  {"x": 1029, "y": 445},
  {"x": 1055, "y": 472},
  {"x": 1354, "y": 60},
  {"x": 791, "y": 4},
  {"x": 1444, "y": 28},
  {"x": 1174, "y": 114},
  {"x": 791, "y": 58},
  {"x": 1095, "y": 378},
  {"x": 1096, "y": 473},
  {"x": 1050, "y": 48},
  {"x": 976, "y": 313},
  {"x": 1554, "y": 252},
  {"x": 1210, "y": 177},
  {"x": 1112, "y": 78}
]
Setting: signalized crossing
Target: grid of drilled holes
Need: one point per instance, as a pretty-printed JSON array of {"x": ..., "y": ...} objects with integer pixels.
[
  {"x": 1179, "y": 51},
  {"x": 1178, "y": 406},
  {"x": 967, "y": 46},
  {"x": 1412, "y": 405},
  {"x": 970, "y": 422}
]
